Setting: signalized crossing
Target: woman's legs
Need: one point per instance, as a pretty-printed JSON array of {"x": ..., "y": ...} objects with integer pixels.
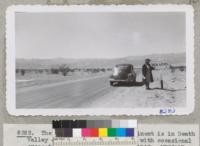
[{"x": 147, "y": 85}]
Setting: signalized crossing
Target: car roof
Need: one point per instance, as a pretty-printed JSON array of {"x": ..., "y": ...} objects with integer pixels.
[{"x": 123, "y": 65}]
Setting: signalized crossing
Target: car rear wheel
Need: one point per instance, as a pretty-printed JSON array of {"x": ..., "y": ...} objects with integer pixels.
[{"x": 111, "y": 84}]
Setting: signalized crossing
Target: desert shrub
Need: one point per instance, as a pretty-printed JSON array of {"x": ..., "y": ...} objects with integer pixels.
[
  {"x": 109, "y": 69},
  {"x": 41, "y": 71},
  {"x": 22, "y": 71},
  {"x": 72, "y": 70},
  {"x": 88, "y": 70},
  {"x": 17, "y": 71},
  {"x": 64, "y": 70},
  {"x": 103, "y": 69},
  {"x": 182, "y": 68},
  {"x": 95, "y": 70},
  {"x": 54, "y": 71}
]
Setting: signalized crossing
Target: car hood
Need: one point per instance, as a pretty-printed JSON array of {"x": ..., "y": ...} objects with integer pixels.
[{"x": 120, "y": 75}]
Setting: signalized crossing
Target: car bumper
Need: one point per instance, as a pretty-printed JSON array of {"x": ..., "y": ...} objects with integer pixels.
[{"x": 120, "y": 81}]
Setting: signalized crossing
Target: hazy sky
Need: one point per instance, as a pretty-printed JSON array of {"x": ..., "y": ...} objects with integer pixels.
[{"x": 98, "y": 35}]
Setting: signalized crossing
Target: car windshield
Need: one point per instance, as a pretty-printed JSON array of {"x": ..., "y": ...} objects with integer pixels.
[{"x": 121, "y": 69}]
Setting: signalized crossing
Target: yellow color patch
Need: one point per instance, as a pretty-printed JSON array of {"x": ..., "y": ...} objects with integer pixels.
[{"x": 103, "y": 132}]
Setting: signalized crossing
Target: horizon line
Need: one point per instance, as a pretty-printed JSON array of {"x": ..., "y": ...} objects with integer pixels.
[{"x": 100, "y": 58}]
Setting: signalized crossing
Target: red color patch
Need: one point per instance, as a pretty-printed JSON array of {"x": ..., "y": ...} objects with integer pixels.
[{"x": 94, "y": 132}]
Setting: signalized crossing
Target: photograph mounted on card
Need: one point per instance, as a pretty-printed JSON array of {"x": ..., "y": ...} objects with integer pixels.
[{"x": 100, "y": 60}]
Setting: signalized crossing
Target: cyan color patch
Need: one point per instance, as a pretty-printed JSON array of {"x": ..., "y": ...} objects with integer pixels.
[{"x": 121, "y": 132}]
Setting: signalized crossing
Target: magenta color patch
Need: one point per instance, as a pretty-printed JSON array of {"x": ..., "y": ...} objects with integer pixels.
[{"x": 85, "y": 132}]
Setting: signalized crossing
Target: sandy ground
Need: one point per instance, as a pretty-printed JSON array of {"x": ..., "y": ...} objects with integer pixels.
[
  {"x": 173, "y": 94},
  {"x": 95, "y": 92}
]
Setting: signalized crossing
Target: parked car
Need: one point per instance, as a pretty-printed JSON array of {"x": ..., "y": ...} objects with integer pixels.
[{"x": 123, "y": 73}]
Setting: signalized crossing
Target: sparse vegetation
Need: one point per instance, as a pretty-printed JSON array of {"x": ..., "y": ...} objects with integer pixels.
[
  {"x": 17, "y": 71},
  {"x": 54, "y": 71},
  {"x": 180, "y": 68},
  {"x": 29, "y": 77},
  {"x": 23, "y": 72},
  {"x": 64, "y": 69}
]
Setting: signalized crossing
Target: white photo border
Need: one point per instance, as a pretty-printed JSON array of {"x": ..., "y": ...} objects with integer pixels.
[{"x": 10, "y": 60}]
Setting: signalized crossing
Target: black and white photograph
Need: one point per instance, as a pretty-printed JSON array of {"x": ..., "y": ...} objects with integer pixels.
[{"x": 113, "y": 60}]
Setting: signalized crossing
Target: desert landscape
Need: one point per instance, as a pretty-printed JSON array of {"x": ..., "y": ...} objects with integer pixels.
[{"x": 84, "y": 83}]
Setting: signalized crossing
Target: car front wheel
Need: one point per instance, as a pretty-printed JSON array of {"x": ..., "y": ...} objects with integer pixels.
[{"x": 112, "y": 83}]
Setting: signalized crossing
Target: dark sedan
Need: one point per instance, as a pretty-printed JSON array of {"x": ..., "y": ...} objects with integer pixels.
[{"x": 123, "y": 73}]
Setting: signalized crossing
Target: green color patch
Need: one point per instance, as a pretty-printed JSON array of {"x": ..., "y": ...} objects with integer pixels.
[{"x": 111, "y": 132}]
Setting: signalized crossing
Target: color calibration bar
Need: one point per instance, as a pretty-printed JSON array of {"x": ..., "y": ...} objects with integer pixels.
[
  {"x": 94, "y": 132},
  {"x": 124, "y": 141},
  {"x": 95, "y": 128}
]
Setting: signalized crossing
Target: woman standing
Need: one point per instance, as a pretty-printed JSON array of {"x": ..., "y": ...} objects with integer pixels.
[{"x": 147, "y": 73}]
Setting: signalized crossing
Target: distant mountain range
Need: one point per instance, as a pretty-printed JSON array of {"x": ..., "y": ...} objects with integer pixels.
[{"x": 137, "y": 61}]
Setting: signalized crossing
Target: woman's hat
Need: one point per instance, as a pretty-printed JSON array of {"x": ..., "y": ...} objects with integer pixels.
[{"x": 147, "y": 60}]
